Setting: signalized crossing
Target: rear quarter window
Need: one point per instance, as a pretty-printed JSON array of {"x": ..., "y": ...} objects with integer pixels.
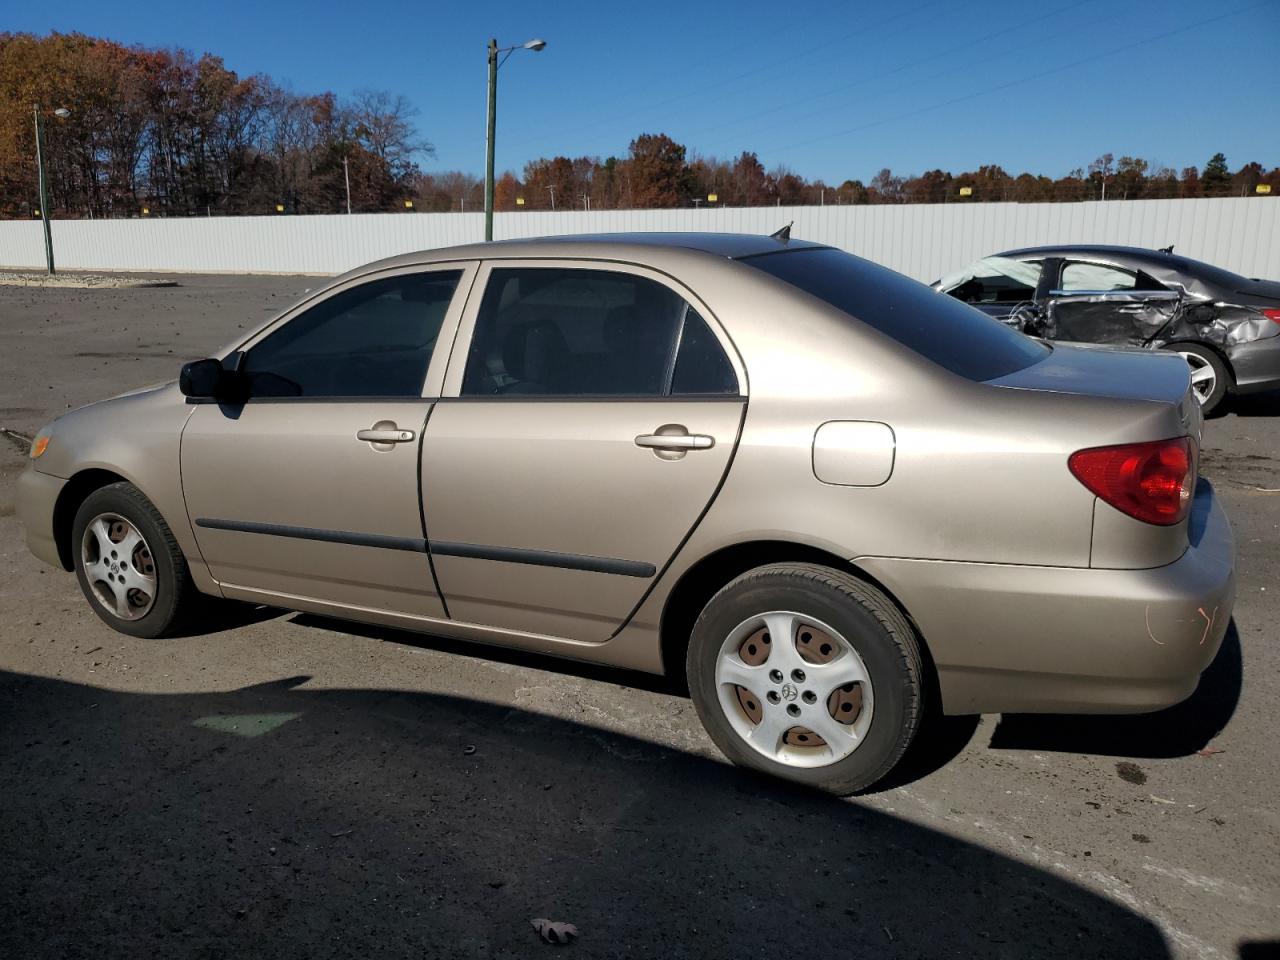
[{"x": 937, "y": 327}]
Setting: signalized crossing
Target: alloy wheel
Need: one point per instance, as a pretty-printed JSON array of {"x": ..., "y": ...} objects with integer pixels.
[
  {"x": 1203, "y": 377},
  {"x": 119, "y": 566},
  {"x": 794, "y": 689}
]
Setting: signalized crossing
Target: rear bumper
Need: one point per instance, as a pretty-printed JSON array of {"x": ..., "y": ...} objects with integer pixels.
[
  {"x": 1072, "y": 640},
  {"x": 37, "y": 493},
  {"x": 1256, "y": 365}
]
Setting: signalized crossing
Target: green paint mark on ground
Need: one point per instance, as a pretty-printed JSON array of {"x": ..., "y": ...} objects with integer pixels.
[{"x": 245, "y": 724}]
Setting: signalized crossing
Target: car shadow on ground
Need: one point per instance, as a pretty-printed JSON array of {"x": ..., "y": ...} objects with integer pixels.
[
  {"x": 1176, "y": 732},
  {"x": 939, "y": 740},
  {"x": 279, "y": 821},
  {"x": 1254, "y": 404}
]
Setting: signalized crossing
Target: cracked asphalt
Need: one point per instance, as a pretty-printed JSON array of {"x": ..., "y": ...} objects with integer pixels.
[{"x": 283, "y": 785}]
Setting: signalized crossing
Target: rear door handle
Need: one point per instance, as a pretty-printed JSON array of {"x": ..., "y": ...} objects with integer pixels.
[
  {"x": 378, "y": 434},
  {"x": 659, "y": 441}
]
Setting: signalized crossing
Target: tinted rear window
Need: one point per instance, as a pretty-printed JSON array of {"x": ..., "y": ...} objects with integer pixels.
[{"x": 939, "y": 328}]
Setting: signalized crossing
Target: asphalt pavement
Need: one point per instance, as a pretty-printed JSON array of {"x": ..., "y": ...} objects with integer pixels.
[{"x": 282, "y": 785}]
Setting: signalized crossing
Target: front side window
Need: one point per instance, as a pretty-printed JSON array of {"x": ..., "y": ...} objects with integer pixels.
[
  {"x": 374, "y": 340},
  {"x": 1095, "y": 277},
  {"x": 547, "y": 331},
  {"x": 1080, "y": 277}
]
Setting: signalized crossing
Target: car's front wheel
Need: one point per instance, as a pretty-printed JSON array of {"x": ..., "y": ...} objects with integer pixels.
[
  {"x": 807, "y": 673},
  {"x": 129, "y": 566}
]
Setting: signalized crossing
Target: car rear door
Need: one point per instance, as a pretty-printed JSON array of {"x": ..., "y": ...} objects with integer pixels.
[
  {"x": 590, "y": 412},
  {"x": 309, "y": 488}
]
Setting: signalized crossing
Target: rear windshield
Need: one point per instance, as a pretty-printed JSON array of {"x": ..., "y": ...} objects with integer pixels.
[{"x": 938, "y": 327}]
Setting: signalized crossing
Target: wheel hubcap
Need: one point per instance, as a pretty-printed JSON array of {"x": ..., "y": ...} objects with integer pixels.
[
  {"x": 794, "y": 689},
  {"x": 1203, "y": 379},
  {"x": 119, "y": 566}
]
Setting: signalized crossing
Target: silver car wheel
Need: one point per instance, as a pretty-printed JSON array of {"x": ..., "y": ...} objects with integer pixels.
[
  {"x": 794, "y": 689},
  {"x": 1203, "y": 377},
  {"x": 119, "y": 566}
]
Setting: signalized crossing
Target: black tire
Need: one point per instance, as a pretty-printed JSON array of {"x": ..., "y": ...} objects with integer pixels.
[
  {"x": 175, "y": 593},
  {"x": 1222, "y": 379},
  {"x": 871, "y": 624}
]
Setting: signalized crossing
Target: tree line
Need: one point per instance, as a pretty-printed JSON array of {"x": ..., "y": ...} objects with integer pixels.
[{"x": 166, "y": 133}]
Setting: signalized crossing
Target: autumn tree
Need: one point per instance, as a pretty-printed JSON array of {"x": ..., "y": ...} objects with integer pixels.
[
  {"x": 1215, "y": 178},
  {"x": 656, "y": 171}
]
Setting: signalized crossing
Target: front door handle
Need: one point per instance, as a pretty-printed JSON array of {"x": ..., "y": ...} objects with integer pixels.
[
  {"x": 384, "y": 431},
  {"x": 688, "y": 441}
]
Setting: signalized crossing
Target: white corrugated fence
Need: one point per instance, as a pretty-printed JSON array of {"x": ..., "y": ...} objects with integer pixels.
[{"x": 921, "y": 240}]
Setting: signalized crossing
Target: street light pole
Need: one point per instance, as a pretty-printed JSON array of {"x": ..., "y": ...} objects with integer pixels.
[
  {"x": 44, "y": 193},
  {"x": 346, "y": 176},
  {"x": 494, "y": 63}
]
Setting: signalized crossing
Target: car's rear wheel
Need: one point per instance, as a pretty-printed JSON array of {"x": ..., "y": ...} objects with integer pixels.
[
  {"x": 1210, "y": 378},
  {"x": 129, "y": 566},
  {"x": 807, "y": 673}
]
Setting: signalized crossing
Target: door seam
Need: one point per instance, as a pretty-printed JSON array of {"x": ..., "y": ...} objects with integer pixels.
[{"x": 422, "y": 510}]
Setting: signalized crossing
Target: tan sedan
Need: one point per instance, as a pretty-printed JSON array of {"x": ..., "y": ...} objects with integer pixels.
[{"x": 816, "y": 487}]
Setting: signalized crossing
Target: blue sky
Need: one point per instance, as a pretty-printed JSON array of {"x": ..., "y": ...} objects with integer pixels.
[{"x": 831, "y": 90}]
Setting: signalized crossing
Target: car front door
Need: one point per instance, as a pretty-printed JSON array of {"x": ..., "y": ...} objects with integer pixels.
[
  {"x": 1104, "y": 303},
  {"x": 589, "y": 415},
  {"x": 309, "y": 487}
]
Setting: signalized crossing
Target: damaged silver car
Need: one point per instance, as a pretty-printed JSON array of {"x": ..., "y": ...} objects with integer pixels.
[{"x": 1227, "y": 327}]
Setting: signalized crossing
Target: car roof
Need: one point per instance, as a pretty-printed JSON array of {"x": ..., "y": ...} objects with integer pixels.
[
  {"x": 1097, "y": 250},
  {"x": 605, "y": 246}
]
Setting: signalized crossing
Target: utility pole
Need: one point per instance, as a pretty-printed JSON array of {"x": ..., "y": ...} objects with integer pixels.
[
  {"x": 346, "y": 176},
  {"x": 490, "y": 130},
  {"x": 44, "y": 193},
  {"x": 552, "y": 191}
]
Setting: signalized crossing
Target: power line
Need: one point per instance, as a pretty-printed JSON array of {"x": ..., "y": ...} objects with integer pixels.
[
  {"x": 1028, "y": 79},
  {"x": 906, "y": 66},
  {"x": 701, "y": 90}
]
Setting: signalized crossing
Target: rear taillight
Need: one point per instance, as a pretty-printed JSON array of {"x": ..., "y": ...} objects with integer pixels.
[
  {"x": 1150, "y": 481},
  {"x": 1272, "y": 315}
]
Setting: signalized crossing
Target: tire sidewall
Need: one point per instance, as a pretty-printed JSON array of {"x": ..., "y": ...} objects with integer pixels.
[
  {"x": 891, "y": 685},
  {"x": 115, "y": 499}
]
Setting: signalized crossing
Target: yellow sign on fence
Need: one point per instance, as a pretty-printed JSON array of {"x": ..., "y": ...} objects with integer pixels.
[
  {"x": 1263, "y": 188},
  {"x": 712, "y": 197},
  {"x": 519, "y": 201},
  {"x": 966, "y": 191}
]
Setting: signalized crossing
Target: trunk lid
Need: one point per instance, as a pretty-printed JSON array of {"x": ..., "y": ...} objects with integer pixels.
[
  {"x": 1259, "y": 293},
  {"x": 1100, "y": 371}
]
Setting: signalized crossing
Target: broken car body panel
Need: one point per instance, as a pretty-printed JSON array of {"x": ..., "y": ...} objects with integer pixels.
[{"x": 1165, "y": 299}]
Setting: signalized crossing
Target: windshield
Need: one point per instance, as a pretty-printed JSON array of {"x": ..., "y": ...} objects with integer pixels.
[{"x": 941, "y": 329}]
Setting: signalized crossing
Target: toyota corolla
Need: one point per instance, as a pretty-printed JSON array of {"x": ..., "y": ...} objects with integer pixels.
[{"x": 810, "y": 485}]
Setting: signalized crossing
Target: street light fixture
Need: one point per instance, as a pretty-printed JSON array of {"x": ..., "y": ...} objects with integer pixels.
[
  {"x": 494, "y": 63},
  {"x": 61, "y": 113}
]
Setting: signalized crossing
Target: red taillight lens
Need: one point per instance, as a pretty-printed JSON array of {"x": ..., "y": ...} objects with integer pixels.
[
  {"x": 1272, "y": 315},
  {"x": 1150, "y": 481}
]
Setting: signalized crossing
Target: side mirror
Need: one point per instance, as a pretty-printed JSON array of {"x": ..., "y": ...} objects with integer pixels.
[{"x": 201, "y": 379}]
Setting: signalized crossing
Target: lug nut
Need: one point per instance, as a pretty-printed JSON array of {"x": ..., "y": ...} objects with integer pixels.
[
  {"x": 797, "y": 675},
  {"x": 809, "y": 696},
  {"x": 793, "y": 710},
  {"x": 775, "y": 676}
]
